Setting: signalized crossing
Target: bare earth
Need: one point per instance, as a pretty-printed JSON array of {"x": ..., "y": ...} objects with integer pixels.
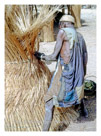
[{"x": 88, "y": 30}]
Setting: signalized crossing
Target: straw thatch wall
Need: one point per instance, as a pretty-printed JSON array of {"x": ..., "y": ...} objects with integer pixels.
[
  {"x": 24, "y": 93},
  {"x": 24, "y": 98},
  {"x": 26, "y": 78}
]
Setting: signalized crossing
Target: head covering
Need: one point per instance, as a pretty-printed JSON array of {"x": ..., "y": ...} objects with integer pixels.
[{"x": 67, "y": 18}]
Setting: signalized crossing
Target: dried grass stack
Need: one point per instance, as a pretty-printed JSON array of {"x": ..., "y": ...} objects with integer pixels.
[
  {"x": 24, "y": 103},
  {"x": 27, "y": 79}
]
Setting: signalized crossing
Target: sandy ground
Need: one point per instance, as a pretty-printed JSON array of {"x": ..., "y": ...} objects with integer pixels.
[{"x": 88, "y": 30}]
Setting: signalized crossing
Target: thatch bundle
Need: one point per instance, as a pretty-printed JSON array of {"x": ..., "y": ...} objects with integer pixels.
[
  {"x": 27, "y": 79},
  {"x": 24, "y": 98},
  {"x": 22, "y": 28}
]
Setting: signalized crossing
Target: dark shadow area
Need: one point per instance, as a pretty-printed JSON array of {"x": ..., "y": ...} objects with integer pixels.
[
  {"x": 82, "y": 21},
  {"x": 84, "y": 25},
  {"x": 56, "y": 23},
  {"x": 90, "y": 103}
]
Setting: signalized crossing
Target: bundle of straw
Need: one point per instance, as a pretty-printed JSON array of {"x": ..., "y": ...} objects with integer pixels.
[
  {"x": 26, "y": 83},
  {"x": 24, "y": 99},
  {"x": 22, "y": 28}
]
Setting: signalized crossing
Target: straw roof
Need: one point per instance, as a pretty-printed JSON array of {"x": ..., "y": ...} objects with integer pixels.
[{"x": 22, "y": 28}]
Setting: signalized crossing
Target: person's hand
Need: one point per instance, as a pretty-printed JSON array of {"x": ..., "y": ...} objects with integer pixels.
[
  {"x": 39, "y": 55},
  {"x": 46, "y": 57},
  {"x": 43, "y": 57}
]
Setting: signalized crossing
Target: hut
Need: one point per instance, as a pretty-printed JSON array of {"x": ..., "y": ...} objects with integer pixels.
[{"x": 26, "y": 78}]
